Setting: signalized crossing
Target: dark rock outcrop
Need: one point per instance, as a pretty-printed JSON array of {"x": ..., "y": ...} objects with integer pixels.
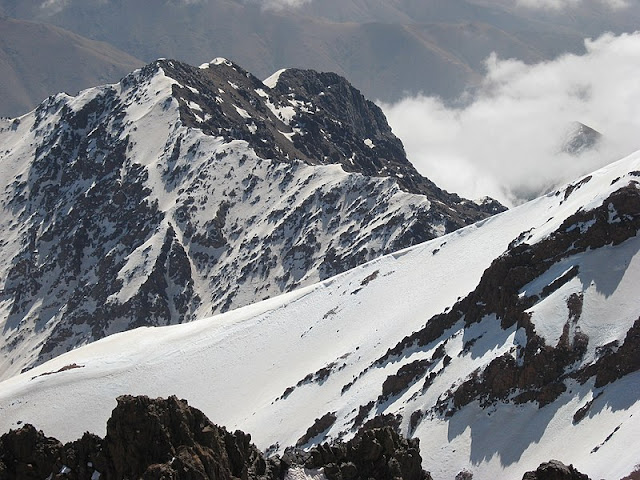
[
  {"x": 320, "y": 426},
  {"x": 615, "y": 364},
  {"x": 155, "y": 439},
  {"x": 555, "y": 470},
  {"x": 379, "y": 453},
  {"x": 28, "y": 454},
  {"x": 635, "y": 475},
  {"x": 406, "y": 375},
  {"x": 146, "y": 438}
]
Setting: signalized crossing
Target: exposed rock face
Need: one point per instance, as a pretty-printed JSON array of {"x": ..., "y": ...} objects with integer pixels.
[
  {"x": 635, "y": 475},
  {"x": 146, "y": 438},
  {"x": 379, "y": 453},
  {"x": 320, "y": 425},
  {"x": 28, "y": 454},
  {"x": 555, "y": 470},
  {"x": 182, "y": 192},
  {"x": 166, "y": 439},
  {"x": 617, "y": 360},
  {"x": 580, "y": 138}
]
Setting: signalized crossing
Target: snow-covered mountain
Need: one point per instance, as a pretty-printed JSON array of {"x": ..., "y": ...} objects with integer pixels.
[
  {"x": 501, "y": 345},
  {"x": 181, "y": 192},
  {"x": 580, "y": 138}
]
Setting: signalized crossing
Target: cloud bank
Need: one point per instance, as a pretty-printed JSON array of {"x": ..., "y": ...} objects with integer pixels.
[
  {"x": 284, "y": 3},
  {"x": 507, "y": 141},
  {"x": 563, "y": 4},
  {"x": 278, "y": 4},
  {"x": 52, "y": 7}
]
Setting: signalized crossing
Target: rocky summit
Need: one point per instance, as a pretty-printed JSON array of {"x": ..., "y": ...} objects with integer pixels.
[
  {"x": 146, "y": 438},
  {"x": 167, "y": 439},
  {"x": 181, "y": 192}
]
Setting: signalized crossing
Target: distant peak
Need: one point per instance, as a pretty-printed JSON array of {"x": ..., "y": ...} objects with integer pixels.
[{"x": 580, "y": 138}]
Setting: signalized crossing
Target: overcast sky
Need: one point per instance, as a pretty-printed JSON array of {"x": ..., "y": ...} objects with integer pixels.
[{"x": 506, "y": 143}]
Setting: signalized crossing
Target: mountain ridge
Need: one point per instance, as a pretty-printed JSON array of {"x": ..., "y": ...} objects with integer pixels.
[{"x": 184, "y": 191}]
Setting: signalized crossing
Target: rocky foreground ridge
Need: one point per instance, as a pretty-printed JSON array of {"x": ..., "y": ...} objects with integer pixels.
[
  {"x": 181, "y": 192},
  {"x": 155, "y": 439}
]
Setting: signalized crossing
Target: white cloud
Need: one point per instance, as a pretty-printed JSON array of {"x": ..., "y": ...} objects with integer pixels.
[
  {"x": 188, "y": 2},
  {"x": 563, "y": 4},
  {"x": 278, "y": 4},
  {"x": 284, "y": 3},
  {"x": 507, "y": 141},
  {"x": 51, "y": 7}
]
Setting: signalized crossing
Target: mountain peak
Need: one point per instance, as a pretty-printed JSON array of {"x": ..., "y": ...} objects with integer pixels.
[
  {"x": 580, "y": 138},
  {"x": 183, "y": 191},
  {"x": 316, "y": 117}
]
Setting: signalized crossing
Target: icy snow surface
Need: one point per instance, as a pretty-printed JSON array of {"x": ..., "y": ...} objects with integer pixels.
[{"x": 299, "y": 473}]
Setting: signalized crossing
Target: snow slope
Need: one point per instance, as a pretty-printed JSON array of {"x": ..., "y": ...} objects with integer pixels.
[{"x": 274, "y": 367}]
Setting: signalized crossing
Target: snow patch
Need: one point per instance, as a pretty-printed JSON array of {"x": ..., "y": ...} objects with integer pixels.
[
  {"x": 194, "y": 106},
  {"x": 300, "y": 473},
  {"x": 262, "y": 93},
  {"x": 285, "y": 114},
  {"x": 242, "y": 112},
  {"x": 272, "y": 80},
  {"x": 216, "y": 61}
]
